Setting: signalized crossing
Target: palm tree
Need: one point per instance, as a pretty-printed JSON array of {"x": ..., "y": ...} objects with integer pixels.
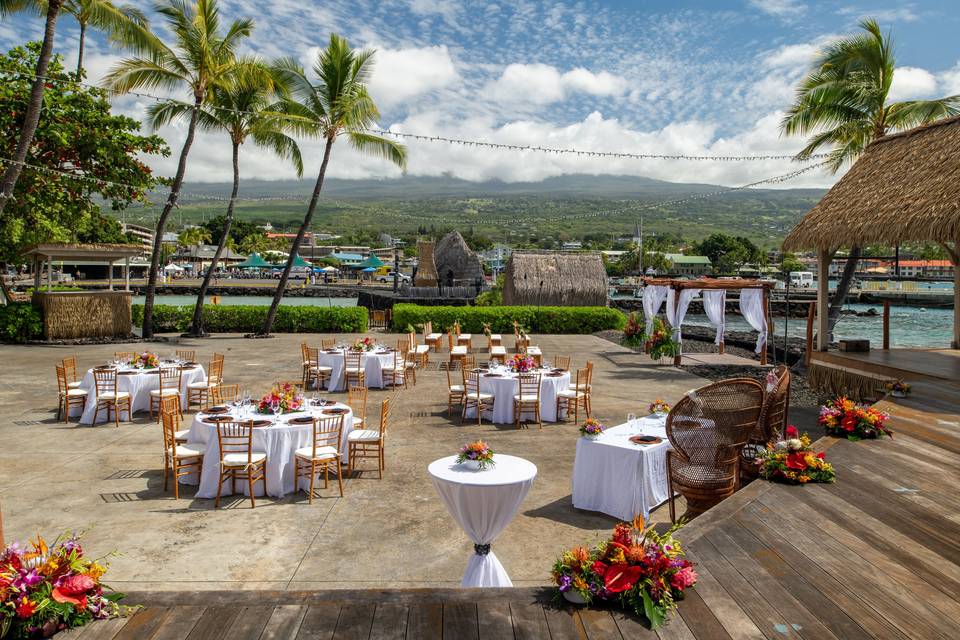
[
  {"x": 103, "y": 15},
  {"x": 32, "y": 116},
  {"x": 193, "y": 236},
  {"x": 338, "y": 104},
  {"x": 843, "y": 104},
  {"x": 243, "y": 110},
  {"x": 200, "y": 58}
]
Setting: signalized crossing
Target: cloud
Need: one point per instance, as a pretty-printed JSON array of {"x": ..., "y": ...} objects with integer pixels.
[
  {"x": 910, "y": 83},
  {"x": 542, "y": 84},
  {"x": 402, "y": 74},
  {"x": 950, "y": 81},
  {"x": 905, "y": 13},
  {"x": 780, "y": 8}
]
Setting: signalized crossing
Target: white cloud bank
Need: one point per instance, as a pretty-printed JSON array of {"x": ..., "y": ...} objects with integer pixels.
[{"x": 541, "y": 84}]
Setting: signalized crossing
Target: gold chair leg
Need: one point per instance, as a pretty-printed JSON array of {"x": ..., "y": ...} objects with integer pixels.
[{"x": 339, "y": 475}]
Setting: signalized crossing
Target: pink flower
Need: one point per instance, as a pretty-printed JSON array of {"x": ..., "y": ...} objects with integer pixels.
[{"x": 684, "y": 578}]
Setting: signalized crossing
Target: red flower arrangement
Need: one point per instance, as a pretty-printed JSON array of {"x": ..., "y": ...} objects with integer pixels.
[
  {"x": 364, "y": 344},
  {"x": 284, "y": 397},
  {"x": 522, "y": 364},
  {"x": 660, "y": 344},
  {"x": 845, "y": 418},
  {"x": 791, "y": 460},
  {"x": 633, "y": 332}
]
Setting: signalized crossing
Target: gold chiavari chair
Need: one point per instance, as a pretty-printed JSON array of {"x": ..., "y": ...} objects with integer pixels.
[
  {"x": 370, "y": 443},
  {"x": 575, "y": 398},
  {"x": 199, "y": 392},
  {"x": 179, "y": 459},
  {"x": 224, "y": 393},
  {"x": 125, "y": 356},
  {"x": 293, "y": 383},
  {"x": 528, "y": 398},
  {"x": 458, "y": 352},
  {"x": 473, "y": 397},
  {"x": 187, "y": 355},
  {"x": 328, "y": 344},
  {"x": 69, "y": 396},
  {"x": 587, "y": 385},
  {"x": 171, "y": 379},
  {"x": 322, "y": 454},
  {"x": 314, "y": 374},
  {"x": 561, "y": 362},
  {"x": 419, "y": 353},
  {"x": 357, "y": 401},
  {"x": 238, "y": 459},
  {"x": 70, "y": 368},
  {"x": 353, "y": 371},
  {"x": 396, "y": 374},
  {"x": 454, "y": 394},
  {"x": 430, "y": 337},
  {"x": 108, "y": 397}
]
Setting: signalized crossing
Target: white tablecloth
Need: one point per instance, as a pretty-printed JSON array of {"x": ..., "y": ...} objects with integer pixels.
[
  {"x": 373, "y": 362},
  {"x": 506, "y": 385},
  {"x": 483, "y": 503},
  {"x": 138, "y": 383},
  {"x": 620, "y": 478},
  {"x": 278, "y": 441}
]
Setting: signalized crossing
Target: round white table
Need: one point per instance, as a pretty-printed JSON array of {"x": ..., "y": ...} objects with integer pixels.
[
  {"x": 503, "y": 384},
  {"x": 373, "y": 363},
  {"x": 483, "y": 503},
  {"x": 138, "y": 383},
  {"x": 278, "y": 441}
]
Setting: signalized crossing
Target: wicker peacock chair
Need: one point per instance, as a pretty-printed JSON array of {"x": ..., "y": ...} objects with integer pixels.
[
  {"x": 707, "y": 430},
  {"x": 773, "y": 420}
]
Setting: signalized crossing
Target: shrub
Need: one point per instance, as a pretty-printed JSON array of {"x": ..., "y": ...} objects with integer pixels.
[
  {"x": 500, "y": 319},
  {"x": 249, "y": 318},
  {"x": 19, "y": 322}
]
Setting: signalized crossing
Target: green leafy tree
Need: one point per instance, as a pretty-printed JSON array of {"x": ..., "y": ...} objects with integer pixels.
[
  {"x": 338, "y": 105},
  {"x": 790, "y": 264},
  {"x": 98, "y": 152},
  {"x": 104, "y": 15},
  {"x": 198, "y": 56},
  {"x": 239, "y": 230},
  {"x": 843, "y": 104},
  {"x": 193, "y": 236}
]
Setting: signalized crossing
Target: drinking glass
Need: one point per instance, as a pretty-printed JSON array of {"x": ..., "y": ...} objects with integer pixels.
[{"x": 632, "y": 422}]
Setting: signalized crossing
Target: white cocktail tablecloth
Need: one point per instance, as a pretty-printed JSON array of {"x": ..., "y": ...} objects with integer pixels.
[
  {"x": 373, "y": 362},
  {"x": 278, "y": 441},
  {"x": 139, "y": 383},
  {"x": 620, "y": 478},
  {"x": 505, "y": 384},
  {"x": 483, "y": 503}
]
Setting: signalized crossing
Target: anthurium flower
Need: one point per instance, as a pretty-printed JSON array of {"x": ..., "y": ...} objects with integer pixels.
[
  {"x": 25, "y": 608},
  {"x": 621, "y": 577},
  {"x": 72, "y": 589},
  {"x": 797, "y": 460}
]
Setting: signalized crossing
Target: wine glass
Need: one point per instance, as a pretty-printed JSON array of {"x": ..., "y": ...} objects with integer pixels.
[{"x": 631, "y": 422}]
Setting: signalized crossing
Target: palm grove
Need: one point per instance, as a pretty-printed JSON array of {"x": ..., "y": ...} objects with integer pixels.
[{"x": 841, "y": 106}]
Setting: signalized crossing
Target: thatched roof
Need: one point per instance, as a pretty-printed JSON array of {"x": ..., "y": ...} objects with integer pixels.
[
  {"x": 905, "y": 187},
  {"x": 555, "y": 278},
  {"x": 81, "y": 251},
  {"x": 456, "y": 262}
]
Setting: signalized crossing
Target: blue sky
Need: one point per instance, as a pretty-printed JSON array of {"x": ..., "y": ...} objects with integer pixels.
[{"x": 699, "y": 77}]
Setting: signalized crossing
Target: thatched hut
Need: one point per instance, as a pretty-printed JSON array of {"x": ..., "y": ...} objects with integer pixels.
[
  {"x": 555, "y": 278},
  {"x": 904, "y": 188},
  {"x": 456, "y": 263}
]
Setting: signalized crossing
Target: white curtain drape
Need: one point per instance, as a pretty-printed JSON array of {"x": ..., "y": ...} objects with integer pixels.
[
  {"x": 653, "y": 297},
  {"x": 715, "y": 304},
  {"x": 751, "y": 306},
  {"x": 675, "y": 315}
]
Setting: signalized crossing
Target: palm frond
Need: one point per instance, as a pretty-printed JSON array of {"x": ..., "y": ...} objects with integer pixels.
[
  {"x": 906, "y": 115},
  {"x": 379, "y": 147},
  {"x": 141, "y": 73},
  {"x": 279, "y": 143}
]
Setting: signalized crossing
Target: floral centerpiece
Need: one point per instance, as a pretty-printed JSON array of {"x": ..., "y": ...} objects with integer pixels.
[
  {"x": 660, "y": 344},
  {"x": 44, "y": 590},
  {"x": 146, "y": 360},
  {"x": 844, "y": 417},
  {"x": 637, "y": 569},
  {"x": 791, "y": 460},
  {"x": 898, "y": 389},
  {"x": 522, "y": 364},
  {"x": 633, "y": 333},
  {"x": 659, "y": 407},
  {"x": 591, "y": 428},
  {"x": 363, "y": 344},
  {"x": 477, "y": 455},
  {"x": 284, "y": 397}
]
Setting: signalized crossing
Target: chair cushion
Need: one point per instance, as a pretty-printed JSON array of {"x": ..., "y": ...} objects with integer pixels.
[
  {"x": 357, "y": 422},
  {"x": 459, "y": 350},
  {"x": 157, "y": 393},
  {"x": 464, "y": 336},
  {"x": 569, "y": 393},
  {"x": 187, "y": 451},
  {"x": 110, "y": 395},
  {"x": 321, "y": 368},
  {"x": 323, "y": 453},
  {"x": 76, "y": 392},
  {"x": 363, "y": 435},
  {"x": 433, "y": 336},
  {"x": 422, "y": 348},
  {"x": 534, "y": 351},
  {"x": 496, "y": 337},
  {"x": 73, "y": 385},
  {"x": 201, "y": 385},
  {"x": 456, "y": 388},
  {"x": 498, "y": 350},
  {"x": 525, "y": 398},
  {"x": 181, "y": 435},
  {"x": 239, "y": 459},
  {"x": 482, "y": 396},
  {"x": 583, "y": 386}
]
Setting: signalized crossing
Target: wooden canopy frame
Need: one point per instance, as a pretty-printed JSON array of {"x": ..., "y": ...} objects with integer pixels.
[{"x": 712, "y": 284}]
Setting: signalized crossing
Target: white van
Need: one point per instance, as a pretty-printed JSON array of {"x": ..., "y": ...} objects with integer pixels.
[{"x": 801, "y": 279}]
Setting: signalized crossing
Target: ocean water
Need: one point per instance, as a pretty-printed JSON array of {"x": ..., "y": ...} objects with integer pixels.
[{"x": 254, "y": 300}]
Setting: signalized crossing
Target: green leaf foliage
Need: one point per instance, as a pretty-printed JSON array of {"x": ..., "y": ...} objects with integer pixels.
[
  {"x": 249, "y": 318},
  {"x": 19, "y": 322},
  {"x": 500, "y": 319}
]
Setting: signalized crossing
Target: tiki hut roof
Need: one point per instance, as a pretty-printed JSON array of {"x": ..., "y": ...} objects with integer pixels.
[
  {"x": 905, "y": 187},
  {"x": 555, "y": 278},
  {"x": 456, "y": 262}
]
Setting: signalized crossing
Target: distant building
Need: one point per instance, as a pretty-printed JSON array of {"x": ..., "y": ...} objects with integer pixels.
[
  {"x": 456, "y": 263},
  {"x": 497, "y": 257},
  {"x": 348, "y": 259},
  {"x": 201, "y": 255},
  {"x": 689, "y": 265},
  {"x": 926, "y": 269},
  {"x": 171, "y": 238},
  {"x": 572, "y": 246},
  {"x": 144, "y": 235}
]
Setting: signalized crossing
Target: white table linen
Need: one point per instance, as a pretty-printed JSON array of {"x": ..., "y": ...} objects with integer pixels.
[
  {"x": 278, "y": 441},
  {"x": 617, "y": 477},
  {"x": 506, "y": 384},
  {"x": 483, "y": 503},
  {"x": 138, "y": 383},
  {"x": 373, "y": 362}
]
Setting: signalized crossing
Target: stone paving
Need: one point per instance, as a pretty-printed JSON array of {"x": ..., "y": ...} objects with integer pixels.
[{"x": 383, "y": 533}]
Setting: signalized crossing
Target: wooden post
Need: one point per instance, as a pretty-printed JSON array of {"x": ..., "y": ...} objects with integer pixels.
[
  {"x": 811, "y": 310},
  {"x": 49, "y": 273},
  {"x": 110, "y": 275},
  {"x": 769, "y": 322},
  {"x": 886, "y": 325},
  {"x": 126, "y": 273},
  {"x": 36, "y": 273},
  {"x": 676, "y": 305},
  {"x": 823, "y": 299}
]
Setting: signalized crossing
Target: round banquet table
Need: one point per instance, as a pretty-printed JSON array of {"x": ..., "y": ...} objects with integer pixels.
[
  {"x": 278, "y": 441},
  {"x": 373, "y": 362},
  {"x": 139, "y": 383},
  {"x": 483, "y": 503},
  {"x": 503, "y": 384}
]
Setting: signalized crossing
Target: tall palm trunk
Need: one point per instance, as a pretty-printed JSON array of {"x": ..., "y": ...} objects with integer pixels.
[
  {"x": 196, "y": 327},
  {"x": 843, "y": 288},
  {"x": 83, "y": 38},
  {"x": 32, "y": 117},
  {"x": 162, "y": 221},
  {"x": 295, "y": 248}
]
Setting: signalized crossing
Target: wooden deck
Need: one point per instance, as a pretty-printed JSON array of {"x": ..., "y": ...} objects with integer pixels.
[
  {"x": 876, "y": 555},
  {"x": 939, "y": 364}
]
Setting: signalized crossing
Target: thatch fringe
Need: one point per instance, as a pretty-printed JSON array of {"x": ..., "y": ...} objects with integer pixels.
[
  {"x": 555, "y": 278},
  {"x": 69, "y": 315},
  {"x": 837, "y": 381}
]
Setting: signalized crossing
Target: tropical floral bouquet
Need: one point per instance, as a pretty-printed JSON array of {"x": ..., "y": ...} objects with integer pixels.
[
  {"x": 44, "y": 590},
  {"x": 637, "y": 569},
  {"x": 522, "y": 364},
  {"x": 660, "y": 344},
  {"x": 898, "y": 389},
  {"x": 633, "y": 333},
  {"x": 284, "y": 396},
  {"x": 591, "y": 428},
  {"x": 364, "y": 344},
  {"x": 477, "y": 453},
  {"x": 791, "y": 460},
  {"x": 146, "y": 360},
  {"x": 659, "y": 407},
  {"x": 844, "y": 417}
]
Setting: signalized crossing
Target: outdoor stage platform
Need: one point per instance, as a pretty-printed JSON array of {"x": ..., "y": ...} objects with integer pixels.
[{"x": 930, "y": 372}]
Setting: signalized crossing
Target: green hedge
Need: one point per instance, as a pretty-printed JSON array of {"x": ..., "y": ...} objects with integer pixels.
[
  {"x": 249, "y": 318},
  {"x": 500, "y": 319},
  {"x": 19, "y": 322}
]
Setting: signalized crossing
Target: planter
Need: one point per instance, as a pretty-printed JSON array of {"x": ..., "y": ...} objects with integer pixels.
[
  {"x": 474, "y": 465},
  {"x": 573, "y": 597},
  {"x": 898, "y": 394},
  {"x": 590, "y": 436}
]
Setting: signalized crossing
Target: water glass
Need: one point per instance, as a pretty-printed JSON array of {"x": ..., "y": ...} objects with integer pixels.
[{"x": 631, "y": 422}]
